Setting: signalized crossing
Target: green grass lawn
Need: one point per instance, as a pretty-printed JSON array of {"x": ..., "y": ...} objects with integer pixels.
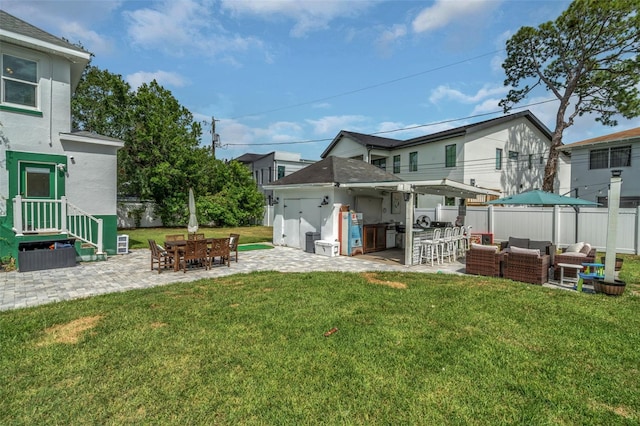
[
  {"x": 250, "y": 349},
  {"x": 248, "y": 234}
]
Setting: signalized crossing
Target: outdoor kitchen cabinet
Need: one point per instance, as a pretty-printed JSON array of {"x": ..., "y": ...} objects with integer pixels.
[{"x": 375, "y": 237}]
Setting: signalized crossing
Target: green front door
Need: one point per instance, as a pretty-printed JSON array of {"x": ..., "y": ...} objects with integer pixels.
[{"x": 38, "y": 183}]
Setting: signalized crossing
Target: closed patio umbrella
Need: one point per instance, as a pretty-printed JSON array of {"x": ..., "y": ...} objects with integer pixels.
[
  {"x": 192, "y": 226},
  {"x": 537, "y": 197}
]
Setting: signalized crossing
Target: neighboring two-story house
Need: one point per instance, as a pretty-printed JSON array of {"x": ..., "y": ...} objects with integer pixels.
[
  {"x": 267, "y": 168},
  {"x": 56, "y": 185},
  {"x": 506, "y": 154},
  {"x": 592, "y": 161}
]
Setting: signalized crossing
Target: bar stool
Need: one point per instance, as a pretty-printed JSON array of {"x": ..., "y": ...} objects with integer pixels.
[{"x": 429, "y": 248}]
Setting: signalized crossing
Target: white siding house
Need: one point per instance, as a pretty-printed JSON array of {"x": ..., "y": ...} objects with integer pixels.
[
  {"x": 505, "y": 154},
  {"x": 267, "y": 168},
  {"x": 56, "y": 183},
  {"x": 593, "y": 160}
]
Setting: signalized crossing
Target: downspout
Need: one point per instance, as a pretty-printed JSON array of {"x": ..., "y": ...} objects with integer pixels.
[{"x": 51, "y": 100}]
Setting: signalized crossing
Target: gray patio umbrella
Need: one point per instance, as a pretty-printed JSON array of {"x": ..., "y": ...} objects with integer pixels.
[
  {"x": 541, "y": 198},
  {"x": 192, "y": 226}
]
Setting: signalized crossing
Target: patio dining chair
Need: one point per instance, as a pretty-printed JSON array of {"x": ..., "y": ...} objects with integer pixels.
[
  {"x": 233, "y": 245},
  {"x": 195, "y": 253},
  {"x": 219, "y": 247},
  {"x": 193, "y": 236},
  {"x": 160, "y": 256}
]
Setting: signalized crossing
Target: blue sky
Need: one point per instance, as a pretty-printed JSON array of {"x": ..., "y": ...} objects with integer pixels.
[{"x": 278, "y": 74}]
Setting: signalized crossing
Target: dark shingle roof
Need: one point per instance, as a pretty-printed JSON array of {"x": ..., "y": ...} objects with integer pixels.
[
  {"x": 338, "y": 170},
  {"x": 15, "y": 25},
  {"x": 249, "y": 157}
]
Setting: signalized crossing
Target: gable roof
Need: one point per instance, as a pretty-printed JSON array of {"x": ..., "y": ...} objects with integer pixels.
[
  {"x": 16, "y": 31},
  {"x": 387, "y": 143},
  {"x": 613, "y": 137},
  {"x": 336, "y": 170},
  {"x": 249, "y": 157}
]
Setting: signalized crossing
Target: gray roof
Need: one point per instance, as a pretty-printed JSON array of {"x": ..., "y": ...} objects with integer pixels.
[
  {"x": 92, "y": 135},
  {"x": 387, "y": 143},
  {"x": 338, "y": 170},
  {"x": 15, "y": 25},
  {"x": 249, "y": 157}
]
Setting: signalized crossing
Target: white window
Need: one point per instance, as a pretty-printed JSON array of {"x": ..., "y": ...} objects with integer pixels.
[
  {"x": 38, "y": 182},
  {"x": 19, "y": 81}
]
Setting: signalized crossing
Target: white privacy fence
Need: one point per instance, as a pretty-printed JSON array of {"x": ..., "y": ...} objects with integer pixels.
[{"x": 555, "y": 224}]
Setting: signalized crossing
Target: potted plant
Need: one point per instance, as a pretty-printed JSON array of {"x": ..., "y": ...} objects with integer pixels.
[
  {"x": 615, "y": 288},
  {"x": 619, "y": 261}
]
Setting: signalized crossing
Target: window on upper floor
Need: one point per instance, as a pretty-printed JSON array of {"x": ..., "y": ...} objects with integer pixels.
[
  {"x": 380, "y": 163},
  {"x": 413, "y": 161},
  {"x": 498, "y": 159},
  {"x": 530, "y": 162},
  {"x": 396, "y": 164},
  {"x": 450, "y": 156},
  {"x": 280, "y": 172},
  {"x": 604, "y": 158},
  {"x": 19, "y": 81},
  {"x": 513, "y": 155}
]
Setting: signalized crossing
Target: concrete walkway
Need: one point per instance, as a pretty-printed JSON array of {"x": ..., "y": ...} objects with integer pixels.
[{"x": 132, "y": 271}]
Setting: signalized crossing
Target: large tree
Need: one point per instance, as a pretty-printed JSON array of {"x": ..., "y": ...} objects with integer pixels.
[
  {"x": 101, "y": 103},
  {"x": 588, "y": 58},
  {"x": 162, "y": 156}
]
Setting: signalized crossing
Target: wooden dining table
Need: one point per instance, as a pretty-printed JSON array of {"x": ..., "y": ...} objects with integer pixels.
[{"x": 174, "y": 246}]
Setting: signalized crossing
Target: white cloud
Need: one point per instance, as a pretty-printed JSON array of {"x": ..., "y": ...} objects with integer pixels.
[
  {"x": 487, "y": 106},
  {"x": 390, "y": 36},
  {"x": 181, "y": 27},
  {"x": 446, "y": 92},
  {"x": 69, "y": 19},
  {"x": 331, "y": 125},
  {"x": 389, "y": 129},
  {"x": 308, "y": 15},
  {"x": 91, "y": 41},
  {"x": 164, "y": 78},
  {"x": 444, "y": 12}
]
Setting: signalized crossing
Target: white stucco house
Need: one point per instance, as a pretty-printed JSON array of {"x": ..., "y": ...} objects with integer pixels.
[
  {"x": 57, "y": 185},
  {"x": 592, "y": 161},
  {"x": 506, "y": 154}
]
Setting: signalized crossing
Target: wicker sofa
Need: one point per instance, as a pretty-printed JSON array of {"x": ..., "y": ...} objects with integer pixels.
[
  {"x": 575, "y": 254},
  {"x": 483, "y": 260},
  {"x": 526, "y": 265},
  {"x": 545, "y": 247}
]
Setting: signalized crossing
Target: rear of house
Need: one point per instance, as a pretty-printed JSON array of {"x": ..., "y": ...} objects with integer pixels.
[{"x": 57, "y": 186}]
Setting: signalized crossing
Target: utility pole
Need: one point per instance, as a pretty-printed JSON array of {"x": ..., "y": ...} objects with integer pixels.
[{"x": 215, "y": 138}]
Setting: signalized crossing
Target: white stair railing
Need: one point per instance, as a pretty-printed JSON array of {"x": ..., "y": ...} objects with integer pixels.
[{"x": 33, "y": 216}]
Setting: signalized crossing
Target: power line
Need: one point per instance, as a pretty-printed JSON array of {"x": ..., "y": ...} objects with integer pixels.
[
  {"x": 392, "y": 130},
  {"x": 373, "y": 86}
]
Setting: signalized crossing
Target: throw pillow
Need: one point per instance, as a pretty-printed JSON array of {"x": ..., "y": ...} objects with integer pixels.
[
  {"x": 519, "y": 250},
  {"x": 518, "y": 242},
  {"x": 540, "y": 245},
  {"x": 476, "y": 246},
  {"x": 586, "y": 248},
  {"x": 574, "y": 248}
]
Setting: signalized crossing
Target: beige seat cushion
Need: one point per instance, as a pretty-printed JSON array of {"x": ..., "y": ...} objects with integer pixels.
[
  {"x": 520, "y": 250},
  {"x": 476, "y": 246}
]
